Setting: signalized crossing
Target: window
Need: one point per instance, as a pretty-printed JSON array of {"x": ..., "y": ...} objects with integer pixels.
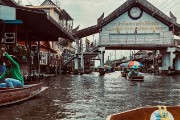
[
  {"x": 56, "y": 16},
  {"x": 43, "y": 58}
]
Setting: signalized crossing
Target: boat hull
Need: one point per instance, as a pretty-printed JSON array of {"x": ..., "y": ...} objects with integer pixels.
[
  {"x": 10, "y": 96},
  {"x": 137, "y": 78},
  {"x": 123, "y": 74},
  {"x": 148, "y": 113}
]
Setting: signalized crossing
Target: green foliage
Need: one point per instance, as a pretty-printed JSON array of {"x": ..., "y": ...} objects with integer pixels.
[{"x": 20, "y": 50}]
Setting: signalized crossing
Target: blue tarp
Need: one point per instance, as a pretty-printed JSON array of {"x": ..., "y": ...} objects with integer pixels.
[
  {"x": 12, "y": 21},
  {"x": 123, "y": 64}
]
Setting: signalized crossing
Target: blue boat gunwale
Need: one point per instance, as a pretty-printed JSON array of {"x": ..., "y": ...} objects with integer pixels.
[{"x": 18, "y": 88}]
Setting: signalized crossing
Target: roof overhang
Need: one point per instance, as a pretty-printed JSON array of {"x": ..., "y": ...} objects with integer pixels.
[
  {"x": 66, "y": 15},
  {"x": 48, "y": 48},
  {"x": 37, "y": 21}
]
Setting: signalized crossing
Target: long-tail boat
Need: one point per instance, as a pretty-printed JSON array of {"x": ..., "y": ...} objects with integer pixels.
[
  {"x": 149, "y": 113},
  {"x": 14, "y": 95},
  {"x": 123, "y": 74},
  {"x": 136, "y": 78}
]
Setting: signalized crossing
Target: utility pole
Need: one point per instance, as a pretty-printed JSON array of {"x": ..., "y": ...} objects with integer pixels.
[
  {"x": 115, "y": 59},
  {"x": 110, "y": 58},
  {"x": 153, "y": 60},
  {"x": 82, "y": 59},
  {"x": 121, "y": 54},
  {"x": 132, "y": 56},
  {"x": 94, "y": 44}
]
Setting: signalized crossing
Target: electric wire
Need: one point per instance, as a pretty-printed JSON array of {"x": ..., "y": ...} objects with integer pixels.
[
  {"x": 167, "y": 5},
  {"x": 162, "y": 4},
  {"x": 39, "y": 2},
  {"x": 30, "y": 2},
  {"x": 172, "y": 6}
]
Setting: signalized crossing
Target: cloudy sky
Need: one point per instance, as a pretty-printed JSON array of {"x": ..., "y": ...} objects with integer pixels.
[{"x": 86, "y": 12}]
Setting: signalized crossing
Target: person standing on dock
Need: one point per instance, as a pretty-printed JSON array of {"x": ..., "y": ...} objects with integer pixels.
[{"x": 12, "y": 74}]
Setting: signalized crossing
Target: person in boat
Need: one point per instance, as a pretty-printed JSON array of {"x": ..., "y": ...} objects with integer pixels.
[
  {"x": 2, "y": 69},
  {"x": 134, "y": 71},
  {"x": 12, "y": 74},
  {"x": 112, "y": 69},
  {"x": 126, "y": 70}
]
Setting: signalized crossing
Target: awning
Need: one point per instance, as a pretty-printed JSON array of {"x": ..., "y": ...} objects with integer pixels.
[
  {"x": 12, "y": 21},
  {"x": 40, "y": 24}
]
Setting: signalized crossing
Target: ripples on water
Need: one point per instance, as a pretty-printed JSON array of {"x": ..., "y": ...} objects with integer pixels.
[{"x": 93, "y": 97}]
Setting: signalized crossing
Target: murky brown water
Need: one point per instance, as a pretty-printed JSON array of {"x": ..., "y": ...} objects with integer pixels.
[{"x": 93, "y": 97}]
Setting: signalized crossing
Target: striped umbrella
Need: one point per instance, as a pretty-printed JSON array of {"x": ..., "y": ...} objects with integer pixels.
[
  {"x": 132, "y": 63},
  {"x": 134, "y": 67}
]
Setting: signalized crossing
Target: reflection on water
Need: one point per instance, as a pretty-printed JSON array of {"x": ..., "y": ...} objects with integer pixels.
[{"x": 93, "y": 97}]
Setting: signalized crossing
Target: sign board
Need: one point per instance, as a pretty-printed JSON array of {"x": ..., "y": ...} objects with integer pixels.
[
  {"x": 145, "y": 30},
  {"x": 9, "y": 38},
  {"x": 124, "y": 24},
  {"x": 138, "y": 39},
  {"x": 7, "y": 13}
]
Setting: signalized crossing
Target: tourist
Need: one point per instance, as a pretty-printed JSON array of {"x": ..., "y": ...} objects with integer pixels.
[
  {"x": 126, "y": 70},
  {"x": 12, "y": 74}
]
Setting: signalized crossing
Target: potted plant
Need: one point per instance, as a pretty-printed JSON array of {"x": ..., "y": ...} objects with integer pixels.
[{"x": 20, "y": 51}]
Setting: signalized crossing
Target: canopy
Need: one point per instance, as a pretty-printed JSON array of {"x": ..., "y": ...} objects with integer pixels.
[
  {"x": 135, "y": 67},
  {"x": 132, "y": 63}
]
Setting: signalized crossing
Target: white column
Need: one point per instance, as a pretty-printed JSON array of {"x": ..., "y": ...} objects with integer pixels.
[
  {"x": 82, "y": 62},
  {"x": 102, "y": 59},
  {"x": 177, "y": 63},
  {"x": 82, "y": 58},
  {"x": 101, "y": 56},
  {"x": 167, "y": 58},
  {"x": 76, "y": 62}
]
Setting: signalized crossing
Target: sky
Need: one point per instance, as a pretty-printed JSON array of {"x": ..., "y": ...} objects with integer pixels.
[{"x": 86, "y": 12}]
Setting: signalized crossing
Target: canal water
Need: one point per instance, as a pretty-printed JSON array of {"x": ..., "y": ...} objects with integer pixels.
[{"x": 94, "y": 97}]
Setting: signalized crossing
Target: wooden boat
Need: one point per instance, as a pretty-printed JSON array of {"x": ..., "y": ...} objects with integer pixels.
[
  {"x": 14, "y": 95},
  {"x": 149, "y": 113},
  {"x": 140, "y": 77},
  {"x": 123, "y": 74},
  {"x": 136, "y": 78}
]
